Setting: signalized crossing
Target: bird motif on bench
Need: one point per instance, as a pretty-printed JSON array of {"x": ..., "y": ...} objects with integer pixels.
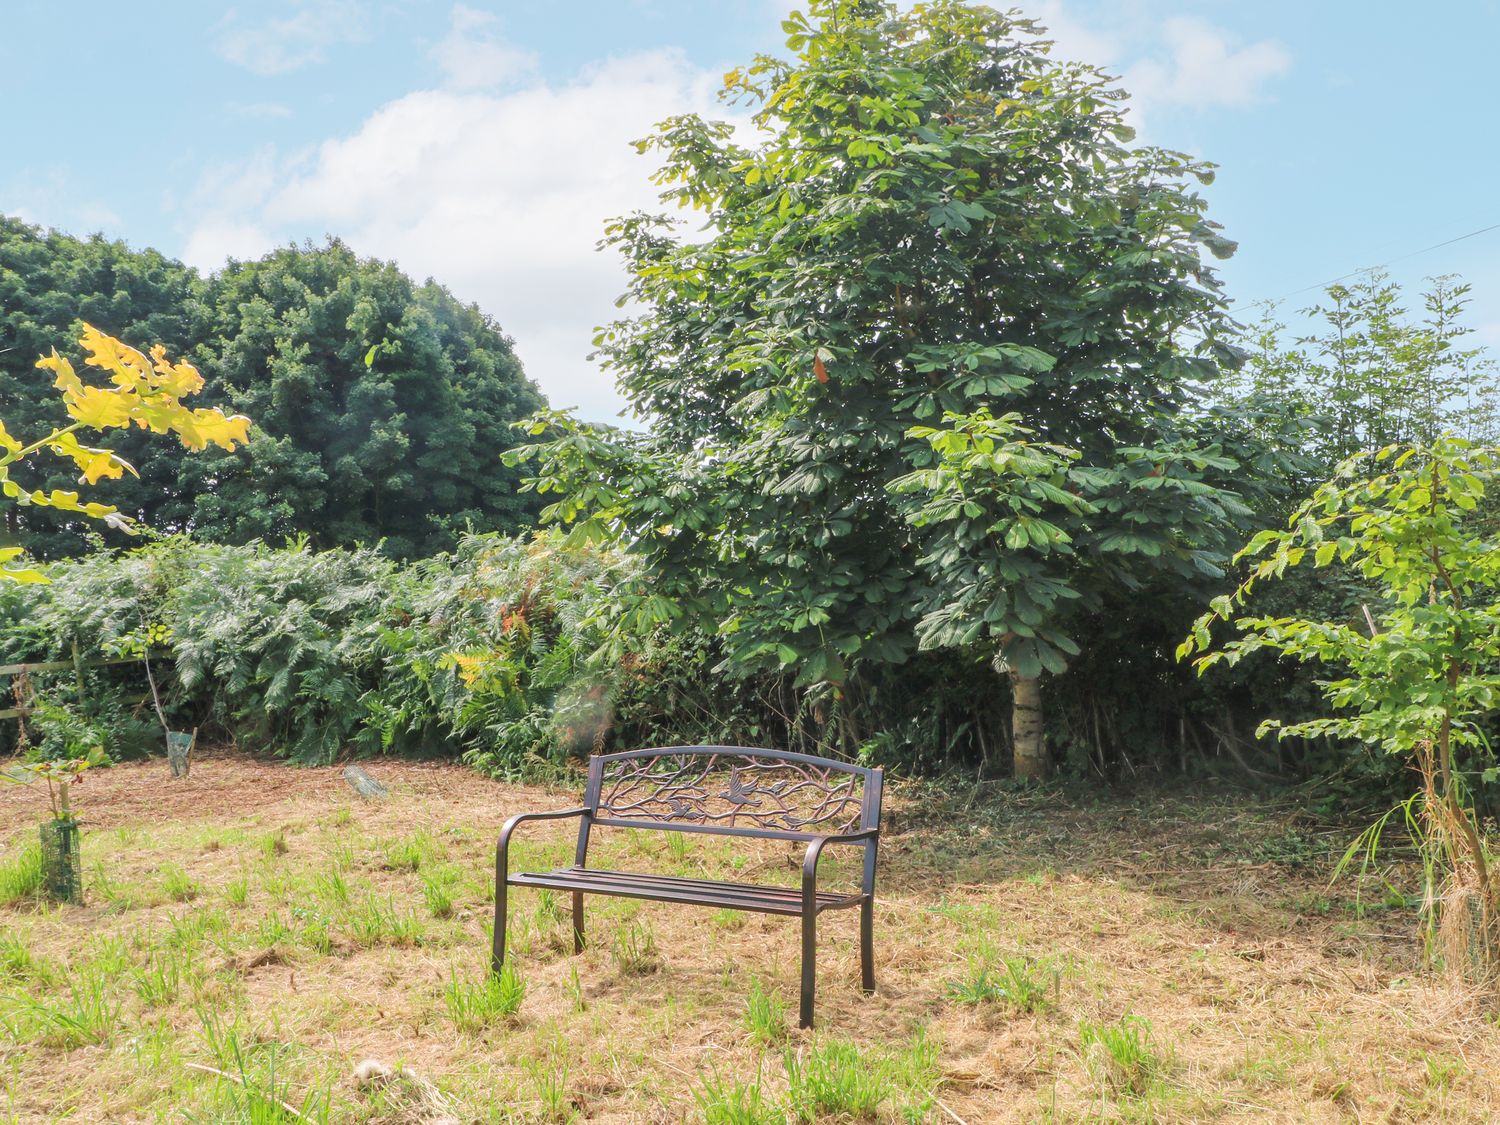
[
  {"x": 738, "y": 792},
  {"x": 682, "y": 810}
]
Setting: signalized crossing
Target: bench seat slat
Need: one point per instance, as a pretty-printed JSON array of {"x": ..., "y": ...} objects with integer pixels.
[{"x": 760, "y": 898}]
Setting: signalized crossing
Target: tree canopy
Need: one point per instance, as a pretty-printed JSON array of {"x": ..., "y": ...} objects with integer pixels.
[
  {"x": 402, "y": 448},
  {"x": 939, "y": 222}
]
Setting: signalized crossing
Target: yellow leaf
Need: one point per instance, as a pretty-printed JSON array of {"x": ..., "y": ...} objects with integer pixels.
[
  {"x": 67, "y": 379},
  {"x": 128, "y": 367},
  {"x": 177, "y": 379},
  {"x": 95, "y": 463},
  {"x": 99, "y": 409},
  {"x": 204, "y": 426},
  {"x": 7, "y": 442},
  {"x": 17, "y": 574},
  {"x": 103, "y": 464}
]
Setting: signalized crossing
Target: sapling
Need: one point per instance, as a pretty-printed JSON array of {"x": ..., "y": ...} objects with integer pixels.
[
  {"x": 60, "y": 850},
  {"x": 1415, "y": 670}
]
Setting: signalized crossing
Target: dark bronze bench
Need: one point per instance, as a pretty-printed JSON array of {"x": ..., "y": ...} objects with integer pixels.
[{"x": 726, "y": 791}]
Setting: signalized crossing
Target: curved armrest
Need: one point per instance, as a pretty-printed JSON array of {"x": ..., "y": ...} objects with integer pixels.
[
  {"x": 815, "y": 853},
  {"x": 503, "y": 847}
]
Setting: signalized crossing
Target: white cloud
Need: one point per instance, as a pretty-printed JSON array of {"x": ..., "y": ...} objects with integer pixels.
[
  {"x": 276, "y": 46},
  {"x": 498, "y": 183},
  {"x": 473, "y": 56},
  {"x": 1177, "y": 63},
  {"x": 500, "y": 196},
  {"x": 1204, "y": 68}
]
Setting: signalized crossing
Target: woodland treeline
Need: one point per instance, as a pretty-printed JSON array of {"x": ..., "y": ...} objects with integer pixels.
[{"x": 947, "y": 434}]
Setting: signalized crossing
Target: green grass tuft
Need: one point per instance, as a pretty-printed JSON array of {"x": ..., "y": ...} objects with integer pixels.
[
  {"x": 475, "y": 1005},
  {"x": 1121, "y": 1054},
  {"x": 765, "y": 1016},
  {"x": 1019, "y": 984},
  {"x": 21, "y": 876}
]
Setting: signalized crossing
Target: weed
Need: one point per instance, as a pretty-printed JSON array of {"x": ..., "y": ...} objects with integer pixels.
[
  {"x": 103, "y": 887},
  {"x": 437, "y": 893},
  {"x": 332, "y": 887},
  {"x": 86, "y": 1015},
  {"x": 729, "y": 919},
  {"x": 237, "y": 893},
  {"x": 1443, "y": 1070},
  {"x": 375, "y": 922},
  {"x": 342, "y": 857},
  {"x": 411, "y": 853},
  {"x": 250, "y": 1090},
  {"x": 1121, "y": 1054},
  {"x": 474, "y": 1005},
  {"x": 765, "y": 1015},
  {"x": 1019, "y": 984},
  {"x": 15, "y": 957},
  {"x": 551, "y": 1081},
  {"x": 176, "y": 884},
  {"x": 21, "y": 876},
  {"x": 633, "y": 949},
  {"x": 272, "y": 932},
  {"x": 678, "y": 846},
  {"x": 316, "y": 932},
  {"x": 160, "y": 981},
  {"x": 195, "y": 926},
  {"x": 733, "y": 1102},
  {"x": 914, "y": 1072},
  {"x": 273, "y": 844},
  {"x": 111, "y": 956},
  {"x": 575, "y": 989},
  {"x": 548, "y": 907},
  {"x": 836, "y": 1079}
]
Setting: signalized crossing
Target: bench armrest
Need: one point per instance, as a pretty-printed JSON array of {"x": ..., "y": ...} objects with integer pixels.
[
  {"x": 503, "y": 846},
  {"x": 815, "y": 853}
]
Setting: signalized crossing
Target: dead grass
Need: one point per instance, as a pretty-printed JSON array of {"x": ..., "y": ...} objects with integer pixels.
[{"x": 323, "y": 932}]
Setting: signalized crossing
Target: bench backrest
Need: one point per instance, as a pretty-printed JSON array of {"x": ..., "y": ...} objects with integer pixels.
[{"x": 732, "y": 791}]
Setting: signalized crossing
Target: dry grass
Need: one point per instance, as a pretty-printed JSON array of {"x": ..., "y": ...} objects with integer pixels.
[{"x": 1176, "y": 960}]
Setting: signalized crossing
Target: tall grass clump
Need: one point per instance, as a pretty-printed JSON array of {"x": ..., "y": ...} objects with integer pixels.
[
  {"x": 250, "y": 1084},
  {"x": 1121, "y": 1054},
  {"x": 21, "y": 875},
  {"x": 730, "y": 1101},
  {"x": 474, "y": 1005}
]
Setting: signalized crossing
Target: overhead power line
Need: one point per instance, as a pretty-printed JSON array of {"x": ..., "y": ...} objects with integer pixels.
[{"x": 1389, "y": 262}]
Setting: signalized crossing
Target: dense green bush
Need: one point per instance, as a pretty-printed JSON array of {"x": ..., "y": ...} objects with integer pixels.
[
  {"x": 308, "y": 654},
  {"x": 509, "y": 653},
  {"x": 379, "y": 405}
]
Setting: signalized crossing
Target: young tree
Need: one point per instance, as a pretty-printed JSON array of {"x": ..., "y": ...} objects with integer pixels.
[
  {"x": 1417, "y": 673},
  {"x": 935, "y": 217},
  {"x": 1375, "y": 374},
  {"x": 1022, "y": 537}
]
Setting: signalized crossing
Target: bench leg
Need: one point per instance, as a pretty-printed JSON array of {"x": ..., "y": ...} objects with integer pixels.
[
  {"x": 577, "y": 922},
  {"x": 497, "y": 951},
  {"x": 867, "y": 946},
  {"x": 809, "y": 968}
]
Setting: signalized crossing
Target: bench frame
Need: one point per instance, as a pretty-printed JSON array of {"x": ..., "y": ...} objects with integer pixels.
[{"x": 821, "y": 774}]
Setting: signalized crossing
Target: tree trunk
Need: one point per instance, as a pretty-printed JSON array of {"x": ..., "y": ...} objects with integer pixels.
[{"x": 1027, "y": 738}]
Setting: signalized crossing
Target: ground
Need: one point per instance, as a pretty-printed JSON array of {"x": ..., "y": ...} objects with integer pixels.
[{"x": 1143, "y": 959}]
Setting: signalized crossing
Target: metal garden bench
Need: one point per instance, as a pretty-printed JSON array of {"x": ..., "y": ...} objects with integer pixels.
[{"x": 726, "y": 791}]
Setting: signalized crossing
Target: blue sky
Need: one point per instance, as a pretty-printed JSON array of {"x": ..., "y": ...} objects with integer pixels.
[{"x": 484, "y": 143}]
